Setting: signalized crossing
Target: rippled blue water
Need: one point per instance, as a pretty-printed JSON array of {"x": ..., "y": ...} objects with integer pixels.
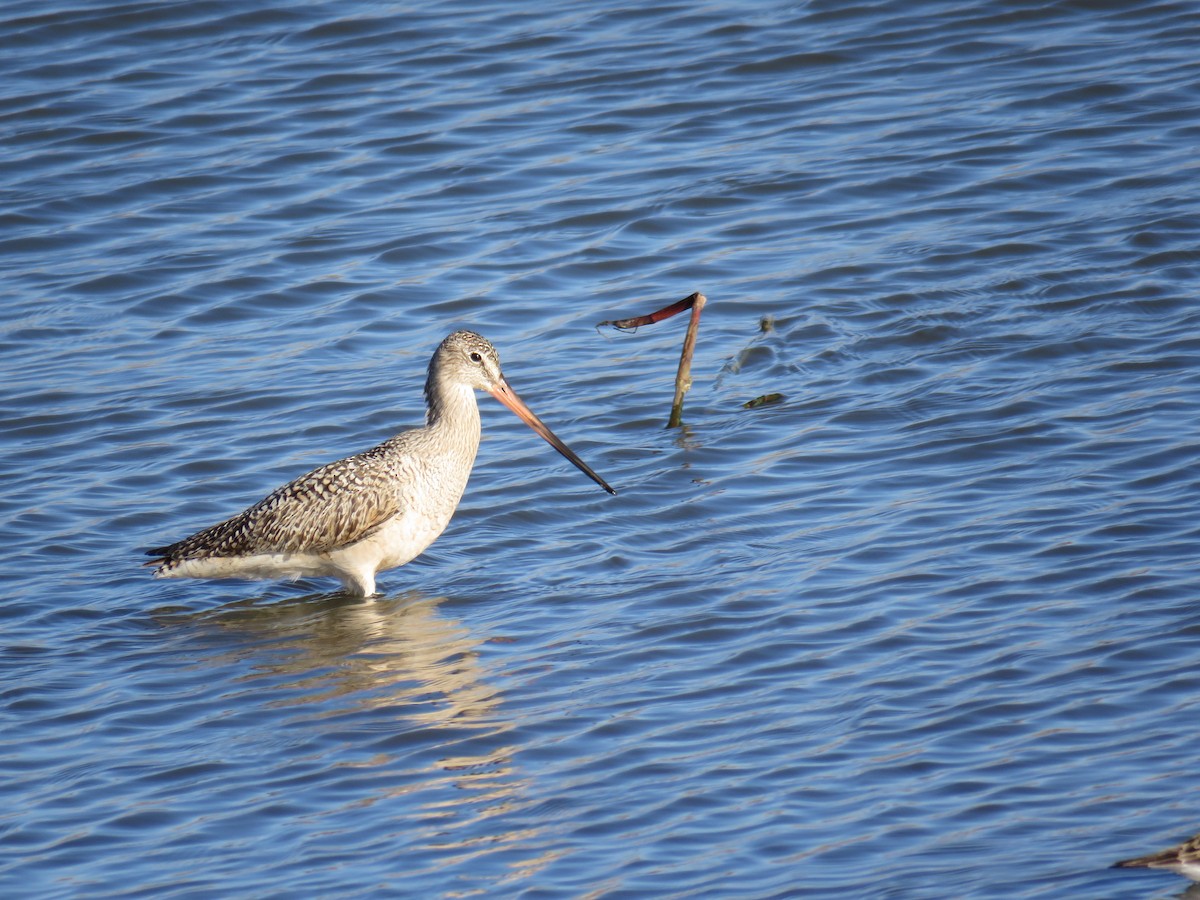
[{"x": 928, "y": 627}]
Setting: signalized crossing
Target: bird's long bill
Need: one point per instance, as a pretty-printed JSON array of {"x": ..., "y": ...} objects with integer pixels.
[{"x": 509, "y": 398}]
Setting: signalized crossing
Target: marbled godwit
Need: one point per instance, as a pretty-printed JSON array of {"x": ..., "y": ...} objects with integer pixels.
[
  {"x": 1183, "y": 859},
  {"x": 375, "y": 510}
]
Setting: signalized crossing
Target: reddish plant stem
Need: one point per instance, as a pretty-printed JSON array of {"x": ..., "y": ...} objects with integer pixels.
[{"x": 683, "y": 377}]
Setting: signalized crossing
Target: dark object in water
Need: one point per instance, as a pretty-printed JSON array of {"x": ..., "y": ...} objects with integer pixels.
[{"x": 763, "y": 400}]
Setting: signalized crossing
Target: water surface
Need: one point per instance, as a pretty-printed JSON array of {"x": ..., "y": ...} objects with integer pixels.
[{"x": 927, "y": 627}]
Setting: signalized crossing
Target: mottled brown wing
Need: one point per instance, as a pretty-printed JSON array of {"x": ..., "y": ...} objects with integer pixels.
[
  {"x": 313, "y": 517},
  {"x": 331, "y": 507}
]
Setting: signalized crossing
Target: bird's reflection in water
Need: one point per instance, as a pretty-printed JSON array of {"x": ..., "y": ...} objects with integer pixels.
[
  {"x": 396, "y": 652},
  {"x": 387, "y": 687}
]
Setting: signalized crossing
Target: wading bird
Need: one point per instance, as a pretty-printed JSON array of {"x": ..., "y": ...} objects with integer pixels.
[
  {"x": 1183, "y": 859},
  {"x": 376, "y": 510}
]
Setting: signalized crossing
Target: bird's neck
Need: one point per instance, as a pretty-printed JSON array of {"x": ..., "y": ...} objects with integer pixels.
[{"x": 450, "y": 406}]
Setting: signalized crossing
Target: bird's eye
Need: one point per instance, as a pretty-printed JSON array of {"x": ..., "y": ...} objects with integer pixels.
[{"x": 475, "y": 357}]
